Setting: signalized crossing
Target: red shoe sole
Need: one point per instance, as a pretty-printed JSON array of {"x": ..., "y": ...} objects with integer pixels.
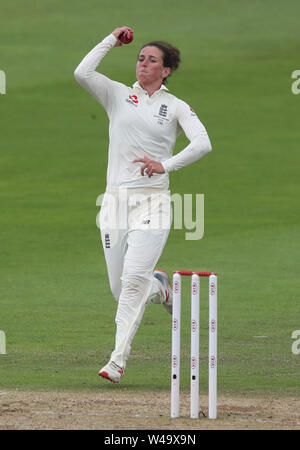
[{"x": 105, "y": 375}]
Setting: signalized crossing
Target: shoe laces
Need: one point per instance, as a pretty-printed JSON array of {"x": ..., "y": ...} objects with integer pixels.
[{"x": 116, "y": 367}]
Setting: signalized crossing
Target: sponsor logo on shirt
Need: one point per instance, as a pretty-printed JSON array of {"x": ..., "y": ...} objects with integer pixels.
[{"x": 133, "y": 100}]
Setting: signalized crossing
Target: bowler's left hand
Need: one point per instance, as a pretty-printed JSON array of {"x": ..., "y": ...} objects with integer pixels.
[{"x": 149, "y": 166}]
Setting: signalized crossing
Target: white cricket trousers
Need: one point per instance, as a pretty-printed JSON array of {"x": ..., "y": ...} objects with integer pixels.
[{"x": 134, "y": 225}]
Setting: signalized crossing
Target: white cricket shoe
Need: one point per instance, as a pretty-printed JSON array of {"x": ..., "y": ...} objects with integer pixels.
[
  {"x": 164, "y": 278},
  {"x": 112, "y": 372}
]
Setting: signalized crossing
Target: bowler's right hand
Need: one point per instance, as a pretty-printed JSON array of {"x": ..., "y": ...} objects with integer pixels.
[{"x": 118, "y": 31}]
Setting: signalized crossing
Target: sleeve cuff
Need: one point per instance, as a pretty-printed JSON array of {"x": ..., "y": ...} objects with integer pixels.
[
  {"x": 112, "y": 38},
  {"x": 165, "y": 166}
]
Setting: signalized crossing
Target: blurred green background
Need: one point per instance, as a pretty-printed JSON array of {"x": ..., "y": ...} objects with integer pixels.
[{"x": 55, "y": 304}]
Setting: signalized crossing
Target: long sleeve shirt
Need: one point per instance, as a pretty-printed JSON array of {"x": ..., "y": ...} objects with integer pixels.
[{"x": 140, "y": 125}]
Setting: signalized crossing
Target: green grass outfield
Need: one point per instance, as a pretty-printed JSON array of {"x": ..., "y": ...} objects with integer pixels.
[{"x": 55, "y": 305}]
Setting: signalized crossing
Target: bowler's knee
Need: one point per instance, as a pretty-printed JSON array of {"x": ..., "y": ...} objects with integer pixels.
[{"x": 136, "y": 282}]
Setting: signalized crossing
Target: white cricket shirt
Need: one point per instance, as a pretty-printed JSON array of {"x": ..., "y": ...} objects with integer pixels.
[{"x": 140, "y": 125}]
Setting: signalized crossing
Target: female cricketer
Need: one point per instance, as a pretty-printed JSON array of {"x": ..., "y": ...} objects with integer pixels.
[{"x": 136, "y": 216}]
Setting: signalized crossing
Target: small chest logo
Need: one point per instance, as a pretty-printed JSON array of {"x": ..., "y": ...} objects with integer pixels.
[
  {"x": 162, "y": 115},
  {"x": 193, "y": 113},
  {"x": 133, "y": 100},
  {"x": 163, "y": 110}
]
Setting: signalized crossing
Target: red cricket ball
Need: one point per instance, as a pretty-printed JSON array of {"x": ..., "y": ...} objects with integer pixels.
[{"x": 125, "y": 39}]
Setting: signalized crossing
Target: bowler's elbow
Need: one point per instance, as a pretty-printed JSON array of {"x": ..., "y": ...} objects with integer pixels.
[
  {"x": 209, "y": 147},
  {"x": 78, "y": 74},
  {"x": 204, "y": 146}
]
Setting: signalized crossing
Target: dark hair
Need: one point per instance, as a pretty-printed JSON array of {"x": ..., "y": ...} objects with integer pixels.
[{"x": 171, "y": 55}]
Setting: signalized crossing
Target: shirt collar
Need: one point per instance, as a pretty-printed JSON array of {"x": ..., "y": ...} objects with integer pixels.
[{"x": 137, "y": 85}]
